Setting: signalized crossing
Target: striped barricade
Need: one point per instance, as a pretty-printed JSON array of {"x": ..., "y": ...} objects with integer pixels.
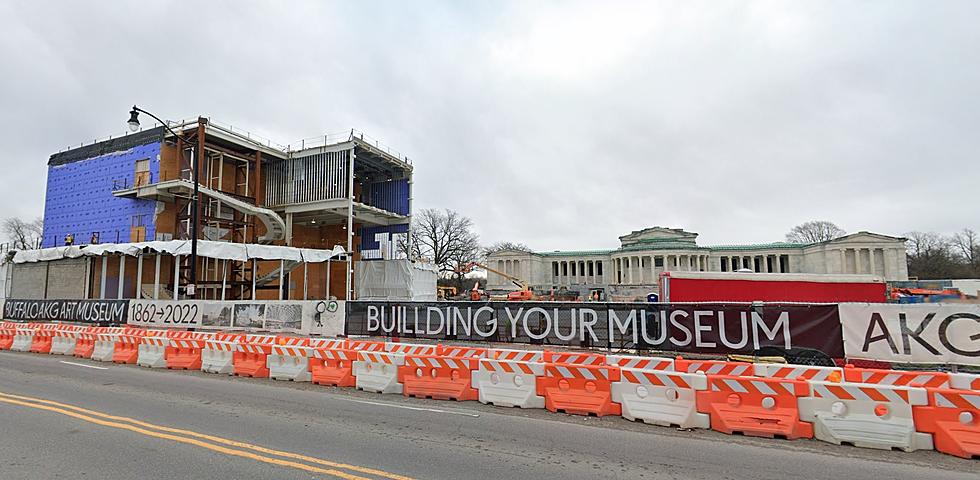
[
  {"x": 185, "y": 350},
  {"x": 574, "y": 358},
  {"x": 64, "y": 340},
  {"x": 85, "y": 342},
  {"x": 900, "y": 378},
  {"x": 643, "y": 363},
  {"x": 438, "y": 377},
  {"x": 43, "y": 335},
  {"x": 758, "y": 407},
  {"x": 661, "y": 397},
  {"x": 508, "y": 383},
  {"x": 218, "y": 353},
  {"x": 799, "y": 372},
  {"x": 536, "y": 356},
  {"x": 105, "y": 343},
  {"x": 714, "y": 367},
  {"x": 865, "y": 415},
  {"x": 23, "y": 338},
  {"x": 411, "y": 348},
  {"x": 330, "y": 366},
  {"x": 579, "y": 389},
  {"x": 127, "y": 348},
  {"x": 953, "y": 419},
  {"x": 151, "y": 351},
  {"x": 7, "y": 337},
  {"x": 289, "y": 362},
  {"x": 378, "y": 371},
  {"x": 462, "y": 352},
  {"x": 964, "y": 381},
  {"x": 334, "y": 343},
  {"x": 366, "y": 345},
  {"x": 250, "y": 358}
]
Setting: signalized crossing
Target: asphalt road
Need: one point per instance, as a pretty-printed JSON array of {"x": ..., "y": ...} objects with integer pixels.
[{"x": 70, "y": 420}]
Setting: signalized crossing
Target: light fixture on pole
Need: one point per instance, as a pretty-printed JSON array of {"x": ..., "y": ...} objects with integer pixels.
[{"x": 134, "y": 125}]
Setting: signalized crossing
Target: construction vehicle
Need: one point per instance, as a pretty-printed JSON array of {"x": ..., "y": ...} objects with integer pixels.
[
  {"x": 446, "y": 293},
  {"x": 475, "y": 294},
  {"x": 524, "y": 294}
]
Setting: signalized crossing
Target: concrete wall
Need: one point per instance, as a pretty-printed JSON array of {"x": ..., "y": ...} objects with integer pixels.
[
  {"x": 61, "y": 279},
  {"x": 79, "y": 198}
]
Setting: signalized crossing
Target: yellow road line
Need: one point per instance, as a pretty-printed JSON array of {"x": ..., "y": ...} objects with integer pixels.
[{"x": 13, "y": 399}]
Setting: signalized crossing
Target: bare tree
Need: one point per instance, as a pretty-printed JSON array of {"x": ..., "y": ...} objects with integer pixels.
[
  {"x": 931, "y": 256},
  {"x": 968, "y": 245},
  {"x": 23, "y": 235},
  {"x": 814, "y": 231},
  {"x": 444, "y": 238},
  {"x": 502, "y": 246}
]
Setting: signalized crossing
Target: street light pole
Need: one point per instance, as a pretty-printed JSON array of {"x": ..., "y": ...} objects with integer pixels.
[{"x": 134, "y": 124}]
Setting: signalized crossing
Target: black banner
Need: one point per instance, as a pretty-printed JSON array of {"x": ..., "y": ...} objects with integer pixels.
[
  {"x": 715, "y": 328},
  {"x": 103, "y": 312}
]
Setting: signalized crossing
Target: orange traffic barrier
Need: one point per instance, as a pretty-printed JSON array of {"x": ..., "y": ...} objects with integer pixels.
[
  {"x": 329, "y": 366},
  {"x": 293, "y": 341},
  {"x": 437, "y": 377},
  {"x": 7, "y": 338},
  {"x": 896, "y": 377},
  {"x": 462, "y": 352},
  {"x": 43, "y": 336},
  {"x": 536, "y": 356},
  {"x": 184, "y": 351},
  {"x": 644, "y": 363},
  {"x": 964, "y": 381},
  {"x": 252, "y": 354},
  {"x": 127, "y": 346},
  {"x": 366, "y": 345},
  {"x": 575, "y": 358},
  {"x": 334, "y": 343},
  {"x": 579, "y": 389},
  {"x": 411, "y": 348},
  {"x": 953, "y": 419},
  {"x": 758, "y": 407},
  {"x": 714, "y": 367},
  {"x": 85, "y": 343}
]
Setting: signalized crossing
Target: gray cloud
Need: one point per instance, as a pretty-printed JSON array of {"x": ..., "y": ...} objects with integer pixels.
[{"x": 559, "y": 125}]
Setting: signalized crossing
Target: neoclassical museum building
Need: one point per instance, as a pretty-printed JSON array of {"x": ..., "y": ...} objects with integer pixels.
[{"x": 633, "y": 269}]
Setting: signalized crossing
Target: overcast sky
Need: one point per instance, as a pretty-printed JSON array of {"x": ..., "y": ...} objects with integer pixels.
[{"x": 559, "y": 125}]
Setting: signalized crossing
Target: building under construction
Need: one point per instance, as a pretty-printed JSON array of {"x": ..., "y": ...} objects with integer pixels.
[{"x": 336, "y": 190}]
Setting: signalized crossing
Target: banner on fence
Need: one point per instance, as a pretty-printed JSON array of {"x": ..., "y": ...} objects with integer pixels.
[
  {"x": 84, "y": 311},
  {"x": 316, "y": 317},
  {"x": 703, "y": 328},
  {"x": 912, "y": 333}
]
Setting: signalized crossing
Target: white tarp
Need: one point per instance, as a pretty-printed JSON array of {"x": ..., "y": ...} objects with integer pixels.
[
  {"x": 270, "y": 252},
  {"x": 931, "y": 333},
  {"x": 395, "y": 280},
  {"x": 205, "y": 248}
]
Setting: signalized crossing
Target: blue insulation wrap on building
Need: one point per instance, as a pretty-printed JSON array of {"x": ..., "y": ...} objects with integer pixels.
[
  {"x": 79, "y": 198},
  {"x": 381, "y": 242},
  {"x": 391, "y": 196}
]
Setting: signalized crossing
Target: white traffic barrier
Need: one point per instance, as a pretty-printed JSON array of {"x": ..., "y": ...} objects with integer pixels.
[
  {"x": 23, "y": 338},
  {"x": 645, "y": 363},
  {"x": 152, "y": 351},
  {"x": 411, "y": 348},
  {"x": 516, "y": 355},
  {"x": 964, "y": 381},
  {"x": 287, "y": 362},
  {"x": 333, "y": 343},
  {"x": 661, "y": 397},
  {"x": 63, "y": 342},
  {"x": 105, "y": 344},
  {"x": 378, "y": 371},
  {"x": 799, "y": 372},
  {"x": 508, "y": 383},
  {"x": 218, "y": 354},
  {"x": 865, "y": 415}
]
